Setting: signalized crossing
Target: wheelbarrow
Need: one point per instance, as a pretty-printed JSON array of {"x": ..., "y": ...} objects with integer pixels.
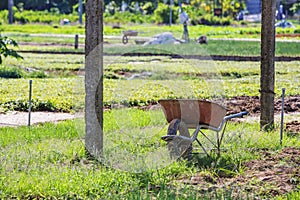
[
  {"x": 184, "y": 114},
  {"x": 128, "y": 33}
]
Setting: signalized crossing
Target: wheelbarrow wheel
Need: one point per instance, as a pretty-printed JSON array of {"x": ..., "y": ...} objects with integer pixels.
[
  {"x": 125, "y": 39},
  {"x": 177, "y": 146}
]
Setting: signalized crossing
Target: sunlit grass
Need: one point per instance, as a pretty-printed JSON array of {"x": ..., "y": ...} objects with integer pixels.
[
  {"x": 48, "y": 160},
  {"x": 214, "y": 47},
  {"x": 169, "y": 78}
]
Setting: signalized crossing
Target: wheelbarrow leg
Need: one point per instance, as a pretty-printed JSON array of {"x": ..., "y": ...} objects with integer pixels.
[{"x": 202, "y": 147}]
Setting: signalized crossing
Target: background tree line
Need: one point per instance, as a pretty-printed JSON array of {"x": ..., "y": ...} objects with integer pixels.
[
  {"x": 139, "y": 11},
  {"x": 63, "y": 6},
  {"x": 147, "y": 6}
]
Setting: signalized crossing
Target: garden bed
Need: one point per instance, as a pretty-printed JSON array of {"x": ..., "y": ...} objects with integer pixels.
[{"x": 275, "y": 173}]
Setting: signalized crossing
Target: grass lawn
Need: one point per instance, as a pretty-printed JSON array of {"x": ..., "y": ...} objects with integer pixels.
[
  {"x": 63, "y": 87},
  {"x": 49, "y": 161},
  {"x": 252, "y": 31},
  {"x": 214, "y": 47}
]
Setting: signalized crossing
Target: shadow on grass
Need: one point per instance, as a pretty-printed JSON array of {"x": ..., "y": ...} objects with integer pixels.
[{"x": 222, "y": 166}]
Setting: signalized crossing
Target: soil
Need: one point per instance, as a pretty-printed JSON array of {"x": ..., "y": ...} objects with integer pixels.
[
  {"x": 21, "y": 118},
  {"x": 293, "y": 127},
  {"x": 252, "y": 106},
  {"x": 275, "y": 173}
]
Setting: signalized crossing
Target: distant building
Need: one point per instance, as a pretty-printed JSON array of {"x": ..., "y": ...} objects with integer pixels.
[{"x": 253, "y": 6}]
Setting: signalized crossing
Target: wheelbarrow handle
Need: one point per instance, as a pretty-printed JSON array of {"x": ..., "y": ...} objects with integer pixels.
[{"x": 241, "y": 114}]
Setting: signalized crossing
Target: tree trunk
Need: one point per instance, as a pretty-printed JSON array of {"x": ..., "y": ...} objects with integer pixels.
[
  {"x": 10, "y": 11},
  {"x": 94, "y": 77},
  {"x": 267, "y": 78}
]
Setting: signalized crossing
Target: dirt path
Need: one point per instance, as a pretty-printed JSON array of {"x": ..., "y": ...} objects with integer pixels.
[{"x": 21, "y": 118}]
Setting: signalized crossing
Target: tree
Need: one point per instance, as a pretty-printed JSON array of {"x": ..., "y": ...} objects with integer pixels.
[
  {"x": 5, "y": 51},
  {"x": 267, "y": 78},
  {"x": 94, "y": 77}
]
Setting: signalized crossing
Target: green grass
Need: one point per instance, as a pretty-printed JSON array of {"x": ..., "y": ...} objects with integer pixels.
[
  {"x": 60, "y": 94},
  {"x": 41, "y": 28},
  {"x": 214, "y": 47},
  {"x": 49, "y": 161},
  {"x": 170, "y": 78},
  {"x": 147, "y": 30},
  {"x": 48, "y": 62},
  {"x": 219, "y": 47},
  {"x": 160, "y": 65},
  {"x": 49, "y": 39}
]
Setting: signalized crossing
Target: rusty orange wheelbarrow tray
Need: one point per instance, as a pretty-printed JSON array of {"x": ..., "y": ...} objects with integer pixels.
[{"x": 198, "y": 115}]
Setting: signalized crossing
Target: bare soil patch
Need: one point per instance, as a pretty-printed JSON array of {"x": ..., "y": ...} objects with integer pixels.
[
  {"x": 276, "y": 173},
  {"x": 293, "y": 128},
  {"x": 21, "y": 118},
  {"x": 252, "y": 104}
]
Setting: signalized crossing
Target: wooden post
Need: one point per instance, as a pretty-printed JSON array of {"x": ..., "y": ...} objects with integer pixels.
[
  {"x": 282, "y": 115},
  {"x": 170, "y": 19},
  {"x": 94, "y": 77},
  {"x": 10, "y": 11},
  {"x": 29, "y": 102},
  {"x": 76, "y": 42},
  {"x": 80, "y": 11},
  {"x": 267, "y": 78}
]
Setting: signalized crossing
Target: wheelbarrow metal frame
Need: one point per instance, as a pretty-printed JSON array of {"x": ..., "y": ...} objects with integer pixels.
[
  {"x": 210, "y": 115},
  {"x": 126, "y": 35}
]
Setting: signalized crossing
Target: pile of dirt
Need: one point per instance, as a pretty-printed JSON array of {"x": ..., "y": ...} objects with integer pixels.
[
  {"x": 252, "y": 104},
  {"x": 293, "y": 127},
  {"x": 275, "y": 173}
]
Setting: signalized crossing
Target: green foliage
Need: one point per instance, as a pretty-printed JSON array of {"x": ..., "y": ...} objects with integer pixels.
[
  {"x": 178, "y": 78},
  {"x": 148, "y": 8},
  {"x": 48, "y": 62},
  {"x": 16, "y": 72},
  {"x": 232, "y": 7},
  {"x": 30, "y": 16},
  {"x": 162, "y": 14},
  {"x": 127, "y": 17},
  {"x": 111, "y": 8},
  {"x": 3, "y": 17},
  {"x": 48, "y": 94},
  {"x": 210, "y": 19},
  {"x": 295, "y": 8},
  {"x": 5, "y": 50},
  {"x": 11, "y": 72},
  {"x": 21, "y": 105},
  {"x": 297, "y": 31}
]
